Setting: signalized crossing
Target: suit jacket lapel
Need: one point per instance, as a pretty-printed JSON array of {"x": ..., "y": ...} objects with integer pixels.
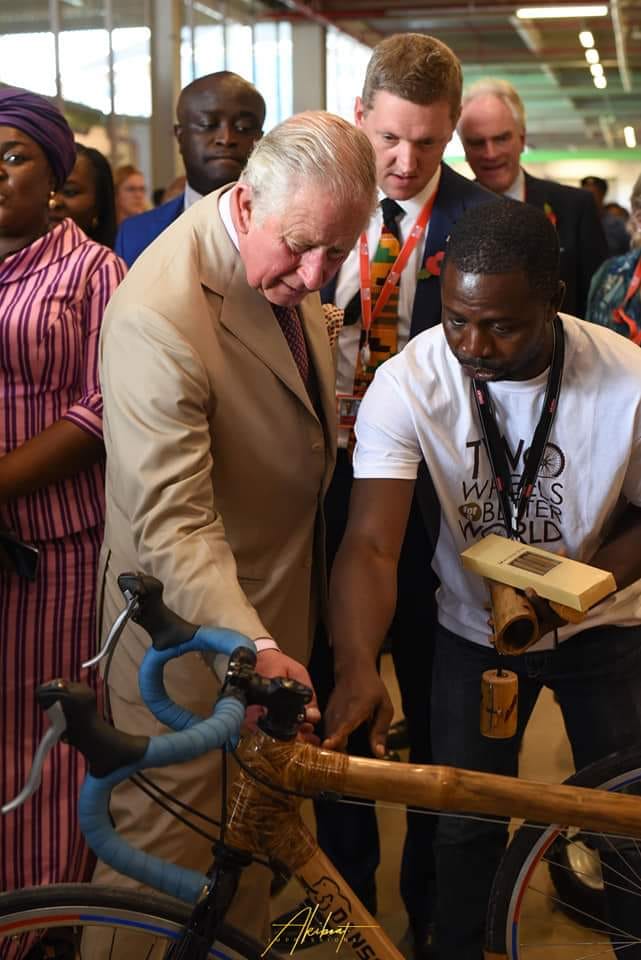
[
  {"x": 427, "y": 299},
  {"x": 534, "y": 191},
  {"x": 249, "y": 316},
  {"x": 245, "y": 312}
]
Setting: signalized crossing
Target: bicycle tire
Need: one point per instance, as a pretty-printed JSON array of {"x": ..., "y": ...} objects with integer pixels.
[
  {"x": 506, "y": 920},
  {"x": 26, "y": 912}
]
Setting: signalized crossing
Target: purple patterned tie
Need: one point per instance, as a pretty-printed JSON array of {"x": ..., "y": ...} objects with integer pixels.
[{"x": 292, "y": 328}]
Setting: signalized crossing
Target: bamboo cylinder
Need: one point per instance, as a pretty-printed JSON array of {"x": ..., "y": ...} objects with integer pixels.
[
  {"x": 468, "y": 791},
  {"x": 516, "y": 626},
  {"x": 499, "y": 700}
]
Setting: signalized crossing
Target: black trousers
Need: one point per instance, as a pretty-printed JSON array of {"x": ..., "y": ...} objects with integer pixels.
[
  {"x": 596, "y": 676},
  {"x": 348, "y": 834}
]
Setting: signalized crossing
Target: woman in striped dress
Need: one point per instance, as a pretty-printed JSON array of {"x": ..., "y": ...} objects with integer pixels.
[{"x": 54, "y": 286}]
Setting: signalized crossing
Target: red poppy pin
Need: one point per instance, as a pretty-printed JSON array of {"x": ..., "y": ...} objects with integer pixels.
[
  {"x": 432, "y": 266},
  {"x": 549, "y": 213}
]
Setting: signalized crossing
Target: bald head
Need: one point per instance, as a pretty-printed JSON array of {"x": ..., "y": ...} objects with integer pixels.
[{"x": 220, "y": 117}]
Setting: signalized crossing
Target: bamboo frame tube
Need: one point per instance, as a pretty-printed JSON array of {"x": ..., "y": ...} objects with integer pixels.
[
  {"x": 326, "y": 887},
  {"x": 310, "y": 770},
  {"x": 468, "y": 791}
]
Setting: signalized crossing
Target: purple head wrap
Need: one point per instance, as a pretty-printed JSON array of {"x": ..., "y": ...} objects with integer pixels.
[{"x": 44, "y": 123}]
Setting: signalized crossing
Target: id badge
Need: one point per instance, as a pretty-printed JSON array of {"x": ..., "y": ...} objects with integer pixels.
[{"x": 347, "y": 409}]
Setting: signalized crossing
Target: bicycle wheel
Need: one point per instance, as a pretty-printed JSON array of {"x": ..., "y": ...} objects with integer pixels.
[
  {"x": 150, "y": 923},
  {"x": 523, "y": 882}
]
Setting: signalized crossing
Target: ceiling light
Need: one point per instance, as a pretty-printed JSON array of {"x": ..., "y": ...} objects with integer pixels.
[
  {"x": 549, "y": 13},
  {"x": 586, "y": 38},
  {"x": 600, "y": 83},
  {"x": 630, "y": 137},
  {"x": 592, "y": 55},
  {"x": 596, "y": 69}
]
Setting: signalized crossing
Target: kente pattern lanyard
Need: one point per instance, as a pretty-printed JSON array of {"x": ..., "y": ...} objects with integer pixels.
[
  {"x": 367, "y": 314},
  {"x": 513, "y": 504}
]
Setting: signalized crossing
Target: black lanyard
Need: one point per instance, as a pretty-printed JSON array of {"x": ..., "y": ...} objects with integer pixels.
[{"x": 514, "y": 503}]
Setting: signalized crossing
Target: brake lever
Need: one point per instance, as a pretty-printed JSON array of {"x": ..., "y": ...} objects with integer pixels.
[
  {"x": 121, "y": 621},
  {"x": 50, "y": 739}
]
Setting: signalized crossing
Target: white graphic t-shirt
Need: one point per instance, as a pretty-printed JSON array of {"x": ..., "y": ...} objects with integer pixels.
[{"x": 420, "y": 405}]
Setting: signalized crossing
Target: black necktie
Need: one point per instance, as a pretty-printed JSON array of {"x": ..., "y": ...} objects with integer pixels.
[{"x": 392, "y": 213}]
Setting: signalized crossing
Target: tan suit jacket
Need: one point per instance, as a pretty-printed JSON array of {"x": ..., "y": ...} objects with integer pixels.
[{"x": 217, "y": 460}]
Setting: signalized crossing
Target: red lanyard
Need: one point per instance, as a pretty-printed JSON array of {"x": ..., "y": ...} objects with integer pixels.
[
  {"x": 367, "y": 315},
  {"x": 619, "y": 313}
]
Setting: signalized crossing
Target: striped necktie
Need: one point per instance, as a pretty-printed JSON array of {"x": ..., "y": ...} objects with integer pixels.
[{"x": 383, "y": 338}]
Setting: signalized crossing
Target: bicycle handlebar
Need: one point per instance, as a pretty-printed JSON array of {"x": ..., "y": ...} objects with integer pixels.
[
  {"x": 171, "y": 637},
  {"x": 114, "y": 756}
]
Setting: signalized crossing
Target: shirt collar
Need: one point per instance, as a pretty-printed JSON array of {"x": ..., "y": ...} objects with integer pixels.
[
  {"x": 43, "y": 252},
  {"x": 224, "y": 209},
  {"x": 414, "y": 205},
  {"x": 191, "y": 196},
  {"x": 516, "y": 191}
]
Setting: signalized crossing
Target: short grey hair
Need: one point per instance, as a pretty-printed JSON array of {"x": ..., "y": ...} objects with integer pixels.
[
  {"x": 314, "y": 147},
  {"x": 502, "y": 90}
]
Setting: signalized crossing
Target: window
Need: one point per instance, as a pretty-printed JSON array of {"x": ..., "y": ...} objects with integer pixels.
[{"x": 347, "y": 60}]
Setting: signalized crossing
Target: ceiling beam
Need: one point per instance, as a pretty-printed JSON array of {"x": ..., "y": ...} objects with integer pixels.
[{"x": 619, "y": 41}]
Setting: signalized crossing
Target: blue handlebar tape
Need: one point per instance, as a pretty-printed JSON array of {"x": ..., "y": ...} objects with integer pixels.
[
  {"x": 150, "y": 677},
  {"x": 95, "y": 822}
]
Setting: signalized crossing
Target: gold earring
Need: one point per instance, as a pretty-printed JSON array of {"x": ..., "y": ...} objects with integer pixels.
[{"x": 52, "y": 200}]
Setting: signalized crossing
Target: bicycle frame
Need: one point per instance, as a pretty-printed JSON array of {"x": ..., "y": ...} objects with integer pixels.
[
  {"x": 266, "y": 819},
  {"x": 277, "y": 771}
]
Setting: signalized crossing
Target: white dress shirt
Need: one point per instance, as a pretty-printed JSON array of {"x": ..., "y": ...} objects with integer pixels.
[
  {"x": 224, "y": 209},
  {"x": 517, "y": 190},
  {"x": 191, "y": 197},
  {"x": 349, "y": 284}
]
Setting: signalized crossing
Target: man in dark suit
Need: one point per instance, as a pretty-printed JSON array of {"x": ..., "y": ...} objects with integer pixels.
[
  {"x": 408, "y": 109},
  {"x": 220, "y": 117},
  {"x": 492, "y": 130}
]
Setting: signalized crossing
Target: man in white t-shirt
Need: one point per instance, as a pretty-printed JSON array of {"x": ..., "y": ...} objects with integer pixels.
[{"x": 500, "y": 291}]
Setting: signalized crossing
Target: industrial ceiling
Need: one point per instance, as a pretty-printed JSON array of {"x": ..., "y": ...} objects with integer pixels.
[{"x": 542, "y": 58}]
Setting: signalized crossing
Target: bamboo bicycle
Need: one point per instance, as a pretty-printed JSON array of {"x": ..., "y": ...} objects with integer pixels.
[{"x": 276, "y": 771}]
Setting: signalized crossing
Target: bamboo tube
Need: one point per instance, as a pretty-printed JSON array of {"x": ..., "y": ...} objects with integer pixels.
[
  {"x": 499, "y": 700},
  {"x": 467, "y": 791},
  {"x": 515, "y": 623},
  {"x": 309, "y": 770}
]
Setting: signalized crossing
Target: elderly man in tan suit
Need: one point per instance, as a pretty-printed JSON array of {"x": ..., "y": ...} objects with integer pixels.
[{"x": 218, "y": 384}]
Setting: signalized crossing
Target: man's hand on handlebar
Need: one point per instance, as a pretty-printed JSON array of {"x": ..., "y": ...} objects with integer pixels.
[
  {"x": 359, "y": 696},
  {"x": 275, "y": 663}
]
